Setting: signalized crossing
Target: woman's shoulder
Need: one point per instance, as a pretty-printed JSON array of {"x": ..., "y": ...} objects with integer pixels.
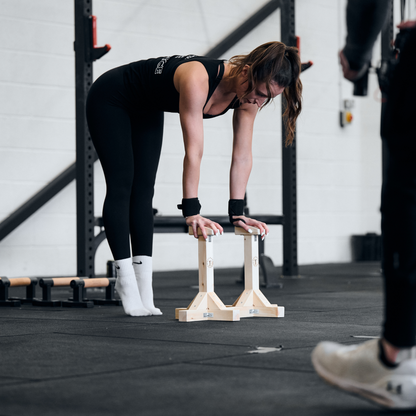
[{"x": 191, "y": 71}]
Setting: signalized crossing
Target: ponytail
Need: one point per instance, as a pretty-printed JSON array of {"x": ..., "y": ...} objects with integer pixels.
[{"x": 293, "y": 96}]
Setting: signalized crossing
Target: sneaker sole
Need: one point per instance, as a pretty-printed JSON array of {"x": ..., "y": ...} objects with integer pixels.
[{"x": 362, "y": 390}]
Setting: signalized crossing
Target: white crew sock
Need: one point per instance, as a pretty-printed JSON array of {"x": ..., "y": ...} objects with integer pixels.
[
  {"x": 143, "y": 268},
  {"x": 127, "y": 289}
]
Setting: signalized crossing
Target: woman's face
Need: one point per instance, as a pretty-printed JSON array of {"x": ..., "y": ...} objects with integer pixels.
[{"x": 259, "y": 94}]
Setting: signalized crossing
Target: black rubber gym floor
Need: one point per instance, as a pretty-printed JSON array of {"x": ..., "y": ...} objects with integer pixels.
[{"x": 98, "y": 361}]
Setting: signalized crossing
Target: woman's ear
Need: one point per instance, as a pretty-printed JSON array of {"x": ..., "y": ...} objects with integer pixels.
[
  {"x": 243, "y": 76},
  {"x": 245, "y": 70}
]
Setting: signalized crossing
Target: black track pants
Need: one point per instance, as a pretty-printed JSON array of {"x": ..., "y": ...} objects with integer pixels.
[
  {"x": 399, "y": 203},
  {"x": 128, "y": 142}
]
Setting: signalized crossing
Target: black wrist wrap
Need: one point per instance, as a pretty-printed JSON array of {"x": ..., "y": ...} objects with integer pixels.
[
  {"x": 190, "y": 206},
  {"x": 235, "y": 207}
]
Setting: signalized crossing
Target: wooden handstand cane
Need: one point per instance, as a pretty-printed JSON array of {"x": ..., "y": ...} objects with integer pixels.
[
  {"x": 252, "y": 302},
  {"x": 206, "y": 305}
]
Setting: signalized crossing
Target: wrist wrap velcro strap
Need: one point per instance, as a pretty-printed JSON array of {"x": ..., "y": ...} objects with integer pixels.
[
  {"x": 235, "y": 207},
  {"x": 190, "y": 206}
]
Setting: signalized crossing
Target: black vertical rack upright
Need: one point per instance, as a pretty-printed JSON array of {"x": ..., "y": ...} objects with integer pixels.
[
  {"x": 290, "y": 237},
  {"x": 85, "y": 53}
]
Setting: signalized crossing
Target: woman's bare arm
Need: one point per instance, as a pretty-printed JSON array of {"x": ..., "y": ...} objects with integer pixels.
[
  {"x": 191, "y": 81},
  {"x": 242, "y": 160}
]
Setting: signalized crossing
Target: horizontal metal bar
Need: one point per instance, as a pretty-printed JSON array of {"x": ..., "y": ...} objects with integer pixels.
[{"x": 243, "y": 29}]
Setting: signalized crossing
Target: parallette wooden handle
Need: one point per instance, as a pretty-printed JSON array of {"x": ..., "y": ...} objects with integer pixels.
[
  {"x": 20, "y": 281},
  {"x": 63, "y": 281},
  {"x": 96, "y": 282},
  {"x": 208, "y": 230},
  {"x": 242, "y": 231}
]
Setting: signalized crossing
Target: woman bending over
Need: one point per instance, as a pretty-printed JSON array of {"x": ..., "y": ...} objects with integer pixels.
[{"x": 125, "y": 109}]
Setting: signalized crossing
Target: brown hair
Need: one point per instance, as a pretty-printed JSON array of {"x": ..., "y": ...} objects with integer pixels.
[{"x": 274, "y": 62}]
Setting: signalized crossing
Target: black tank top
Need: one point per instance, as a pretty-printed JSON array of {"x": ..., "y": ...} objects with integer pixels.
[{"x": 149, "y": 83}]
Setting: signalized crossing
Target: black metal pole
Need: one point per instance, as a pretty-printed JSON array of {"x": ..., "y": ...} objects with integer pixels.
[
  {"x": 290, "y": 238},
  {"x": 85, "y": 152}
]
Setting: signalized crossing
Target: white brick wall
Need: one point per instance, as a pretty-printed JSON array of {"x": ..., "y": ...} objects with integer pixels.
[{"x": 338, "y": 169}]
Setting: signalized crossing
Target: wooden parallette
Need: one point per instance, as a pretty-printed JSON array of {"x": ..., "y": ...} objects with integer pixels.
[
  {"x": 206, "y": 304},
  {"x": 46, "y": 284},
  {"x": 79, "y": 286},
  {"x": 252, "y": 301},
  {"x": 5, "y": 283},
  {"x": 79, "y": 301}
]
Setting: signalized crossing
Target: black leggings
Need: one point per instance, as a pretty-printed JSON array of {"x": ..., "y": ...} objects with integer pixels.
[
  {"x": 128, "y": 141},
  {"x": 399, "y": 203}
]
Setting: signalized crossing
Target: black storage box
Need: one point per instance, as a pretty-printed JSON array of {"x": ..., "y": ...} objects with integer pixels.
[{"x": 366, "y": 247}]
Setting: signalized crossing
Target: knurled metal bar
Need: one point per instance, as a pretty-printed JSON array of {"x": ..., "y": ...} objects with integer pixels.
[
  {"x": 290, "y": 238},
  {"x": 85, "y": 152}
]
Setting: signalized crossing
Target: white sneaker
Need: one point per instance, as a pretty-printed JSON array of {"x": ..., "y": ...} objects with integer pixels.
[{"x": 358, "y": 369}]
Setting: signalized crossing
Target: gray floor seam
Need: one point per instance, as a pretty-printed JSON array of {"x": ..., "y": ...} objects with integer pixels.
[
  {"x": 311, "y": 371},
  {"x": 101, "y": 373},
  {"x": 155, "y": 340}
]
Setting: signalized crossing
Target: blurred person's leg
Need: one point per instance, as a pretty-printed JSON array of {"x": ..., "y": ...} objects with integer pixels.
[{"x": 385, "y": 371}]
